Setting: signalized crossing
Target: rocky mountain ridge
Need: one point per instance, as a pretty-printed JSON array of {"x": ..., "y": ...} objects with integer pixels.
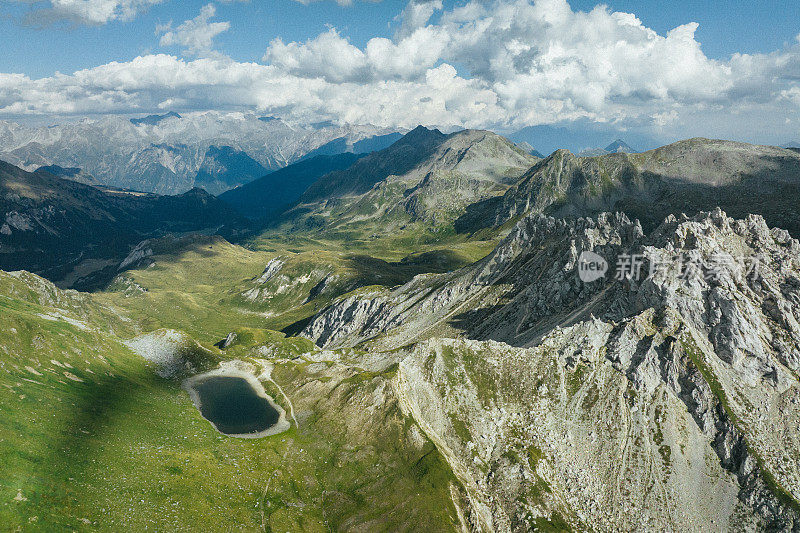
[
  {"x": 685, "y": 177},
  {"x": 425, "y": 177},
  {"x": 695, "y": 362}
]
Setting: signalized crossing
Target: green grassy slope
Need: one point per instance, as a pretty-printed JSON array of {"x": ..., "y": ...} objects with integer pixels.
[
  {"x": 208, "y": 287},
  {"x": 92, "y": 439}
]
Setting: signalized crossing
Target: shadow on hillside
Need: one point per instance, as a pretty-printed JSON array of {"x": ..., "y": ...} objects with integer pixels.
[
  {"x": 87, "y": 429},
  {"x": 372, "y": 271},
  {"x": 294, "y": 329},
  {"x": 773, "y": 192}
]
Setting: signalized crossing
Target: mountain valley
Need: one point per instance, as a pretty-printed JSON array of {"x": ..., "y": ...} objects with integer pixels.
[{"x": 418, "y": 315}]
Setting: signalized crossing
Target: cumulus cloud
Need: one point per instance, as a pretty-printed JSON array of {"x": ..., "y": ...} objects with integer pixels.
[
  {"x": 502, "y": 64},
  {"x": 195, "y": 36},
  {"x": 332, "y": 57},
  {"x": 91, "y": 12},
  {"x": 546, "y": 62},
  {"x": 416, "y": 14},
  {"x": 158, "y": 81}
]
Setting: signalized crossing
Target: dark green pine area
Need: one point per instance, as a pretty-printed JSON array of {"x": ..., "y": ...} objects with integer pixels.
[{"x": 411, "y": 307}]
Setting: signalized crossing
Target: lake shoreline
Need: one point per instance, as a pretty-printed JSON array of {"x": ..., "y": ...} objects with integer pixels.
[{"x": 233, "y": 370}]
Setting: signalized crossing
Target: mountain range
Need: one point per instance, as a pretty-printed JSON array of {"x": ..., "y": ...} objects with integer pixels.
[
  {"x": 270, "y": 195},
  {"x": 671, "y": 383},
  {"x": 617, "y": 147},
  {"x": 457, "y": 334},
  {"x": 580, "y": 135},
  {"x": 684, "y": 177},
  {"x": 76, "y": 234},
  {"x": 424, "y": 180},
  {"x": 172, "y": 153}
]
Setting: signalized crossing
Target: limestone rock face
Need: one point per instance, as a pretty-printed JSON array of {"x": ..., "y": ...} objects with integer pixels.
[{"x": 664, "y": 395}]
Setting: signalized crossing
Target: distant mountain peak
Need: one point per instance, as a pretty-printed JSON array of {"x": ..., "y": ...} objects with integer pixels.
[
  {"x": 422, "y": 134},
  {"x": 617, "y": 147},
  {"x": 55, "y": 170},
  {"x": 69, "y": 173},
  {"x": 226, "y": 167},
  {"x": 620, "y": 146},
  {"x": 152, "y": 120},
  {"x": 195, "y": 192}
]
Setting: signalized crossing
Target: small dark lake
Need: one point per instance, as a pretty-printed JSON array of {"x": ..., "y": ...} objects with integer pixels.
[{"x": 233, "y": 406}]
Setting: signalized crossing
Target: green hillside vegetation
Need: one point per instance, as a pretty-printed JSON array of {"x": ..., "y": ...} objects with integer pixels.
[
  {"x": 198, "y": 284},
  {"x": 424, "y": 425},
  {"x": 92, "y": 439}
]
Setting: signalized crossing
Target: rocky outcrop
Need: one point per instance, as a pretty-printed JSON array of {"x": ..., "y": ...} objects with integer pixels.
[
  {"x": 229, "y": 340},
  {"x": 530, "y": 274},
  {"x": 564, "y": 434},
  {"x": 665, "y": 394}
]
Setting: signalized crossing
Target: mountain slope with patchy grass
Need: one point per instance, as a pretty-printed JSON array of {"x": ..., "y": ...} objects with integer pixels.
[
  {"x": 639, "y": 396},
  {"x": 420, "y": 184},
  {"x": 431, "y": 380},
  {"x": 684, "y": 177}
]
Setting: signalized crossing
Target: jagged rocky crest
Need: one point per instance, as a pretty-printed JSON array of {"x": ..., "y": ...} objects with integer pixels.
[{"x": 548, "y": 395}]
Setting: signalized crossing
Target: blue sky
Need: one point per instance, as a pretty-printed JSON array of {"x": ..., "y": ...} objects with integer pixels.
[
  {"x": 654, "y": 69},
  {"x": 67, "y": 47},
  {"x": 725, "y": 28}
]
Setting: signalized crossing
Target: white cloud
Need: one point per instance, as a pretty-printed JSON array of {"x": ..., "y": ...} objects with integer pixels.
[
  {"x": 416, "y": 14},
  {"x": 92, "y": 12},
  {"x": 546, "y": 62},
  {"x": 195, "y": 36},
  {"x": 155, "y": 81},
  {"x": 332, "y": 57},
  {"x": 519, "y": 63}
]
